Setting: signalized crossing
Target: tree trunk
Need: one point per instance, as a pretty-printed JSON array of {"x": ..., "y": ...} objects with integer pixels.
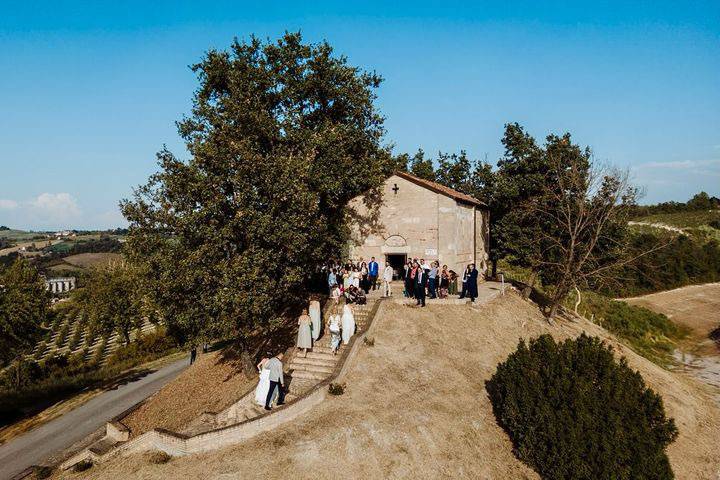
[
  {"x": 18, "y": 366},
  {"x": 579, "y": 299},
  {"x": 553, "y": 310},
  {"x": 247, "y": 362},
  {"x": 494, "y": 267}
]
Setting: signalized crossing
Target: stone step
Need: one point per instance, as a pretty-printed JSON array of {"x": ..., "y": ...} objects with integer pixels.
[
  {"x": 322, "y": 355},
  {"x": 311, "y": 368},
  {"x": 321, "y": 362},
  {"x": 321, "y": 347},
  {"x": 309, "y": 375},
  {"x": 299, "y": 386}
]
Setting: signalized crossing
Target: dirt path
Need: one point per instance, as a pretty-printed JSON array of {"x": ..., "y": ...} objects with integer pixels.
[
  {"x": 415, "y": 407},
  {"x": 659, "y": 225}
]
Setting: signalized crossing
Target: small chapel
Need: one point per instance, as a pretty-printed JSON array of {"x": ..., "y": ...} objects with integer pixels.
[{"x": 418, "y": 218}]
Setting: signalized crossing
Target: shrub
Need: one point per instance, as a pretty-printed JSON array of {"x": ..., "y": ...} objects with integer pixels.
[
  {"x": 572, "y": 411},
  {"x": 81, "y": 466},
  {"x": 336, "y": 388},
  {"x": 99, "y": 351},
  {"x": 41, "y": 472},
  {"x": 370, "y": 342},
  {"x": 75, "y": 339},
  {"x": 158, "y": 457},
  {"x": 62, "y": 335},
  {"x": 147, "y": 347}
]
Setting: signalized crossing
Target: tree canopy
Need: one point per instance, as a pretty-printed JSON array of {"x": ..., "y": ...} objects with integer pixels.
[
  {"x": 282, "y": 135},
  {"x": 24, "y": 306},
  {"x": 112, "y": 300}
]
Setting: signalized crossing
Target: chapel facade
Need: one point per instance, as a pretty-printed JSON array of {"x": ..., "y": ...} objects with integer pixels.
[{"x": 418, "y": 218}]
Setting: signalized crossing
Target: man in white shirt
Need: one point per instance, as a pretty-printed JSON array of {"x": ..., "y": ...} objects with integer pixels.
[
  {"x": 387, "y": 278},
  {"x": 276, "y": 380}
]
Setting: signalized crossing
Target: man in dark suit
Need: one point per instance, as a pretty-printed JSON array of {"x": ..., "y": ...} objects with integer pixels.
[
  {"x": 420, "y": 282},
  {"x": 472, "y": 283}
]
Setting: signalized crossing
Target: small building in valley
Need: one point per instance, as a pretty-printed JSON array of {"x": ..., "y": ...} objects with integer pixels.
[{"x": 417, "y": 218}]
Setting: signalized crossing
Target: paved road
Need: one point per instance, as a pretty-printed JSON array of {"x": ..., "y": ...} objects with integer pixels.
[{"x": 37, "y": 445}]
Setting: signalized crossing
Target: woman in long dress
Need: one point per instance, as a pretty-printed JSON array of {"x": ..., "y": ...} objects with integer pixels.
[
  {"x": 348, "y": 324},
  {"x": 334, "y": 327},
  {"x": 263, "y": 385},
  {"x": 315, "y": 317},
  {"x": 347, "y": 280},
  {"x": 304, "y": 336}
]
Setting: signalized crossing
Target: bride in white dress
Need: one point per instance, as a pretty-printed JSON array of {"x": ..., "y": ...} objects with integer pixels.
[
  {"x": 263, "y": 386},
  {"x": 316, "y": 321},
  {"x": 348, "y": 324}
]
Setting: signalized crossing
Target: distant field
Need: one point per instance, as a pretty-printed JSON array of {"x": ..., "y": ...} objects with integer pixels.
[
  {"x": 85, "y": 260},
  {"x": 18, "y": 246},
  {"x": 694, "y": 306},
  {"x": 683, "y": 219},
  {"x": 20, "y": 235}
]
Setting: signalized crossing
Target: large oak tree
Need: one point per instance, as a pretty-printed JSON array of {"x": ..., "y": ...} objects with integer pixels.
[{"x": 281, "y": 136}]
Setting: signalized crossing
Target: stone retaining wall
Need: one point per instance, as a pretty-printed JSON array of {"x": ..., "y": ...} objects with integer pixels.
[{"x": 177, "y": 444}]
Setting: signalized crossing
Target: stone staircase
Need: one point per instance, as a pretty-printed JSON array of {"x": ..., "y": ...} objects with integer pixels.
[
  {"x": 234, "y": 424},
  {"x": 301, "y": 374},
  {"x": 320, "y": 363}
]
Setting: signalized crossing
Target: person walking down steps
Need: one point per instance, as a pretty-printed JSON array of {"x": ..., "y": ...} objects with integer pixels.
[
  {"x": 263, "y": 386},
  {"x": 387, "y": 279},
  {"x": 348, "y": 324},
  {"x": 276, "y": 380},
  {"x": 334, "y": 323},
  {"x": 316, "y": 320},
  {"x": 304, "y": 336}
]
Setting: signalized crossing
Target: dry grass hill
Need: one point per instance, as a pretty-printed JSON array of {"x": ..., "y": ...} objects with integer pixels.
[{"x": 416, "y": 407}]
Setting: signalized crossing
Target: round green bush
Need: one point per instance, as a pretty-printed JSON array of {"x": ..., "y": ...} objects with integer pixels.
[{"x": 573, "y": 412}]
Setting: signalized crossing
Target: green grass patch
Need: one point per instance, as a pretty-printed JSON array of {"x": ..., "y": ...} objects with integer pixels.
[{"x": 651, "y": 334}]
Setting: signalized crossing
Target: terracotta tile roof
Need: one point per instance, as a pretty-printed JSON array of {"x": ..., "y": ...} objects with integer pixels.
[{"x": 438, "y": 188}]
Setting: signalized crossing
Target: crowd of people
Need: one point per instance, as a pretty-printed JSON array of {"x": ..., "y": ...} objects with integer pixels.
[
  {"x": 354, "y": 280},
  {"x": 349, "y": 284},
  {"x": 341, "y": 328},
  {"x": 423, "y": 280}
]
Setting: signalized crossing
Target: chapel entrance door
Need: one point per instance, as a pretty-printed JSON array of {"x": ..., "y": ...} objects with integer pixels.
[{"x": 397, "y": 261}]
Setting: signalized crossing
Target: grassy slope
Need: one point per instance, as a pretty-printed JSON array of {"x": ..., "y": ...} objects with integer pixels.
[
  {"x": 651, "y": 334},
  {"x": 415, "y": 406}
]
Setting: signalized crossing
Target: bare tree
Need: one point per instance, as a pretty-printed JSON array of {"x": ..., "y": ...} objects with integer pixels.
[{"x": 576, "y": 231}]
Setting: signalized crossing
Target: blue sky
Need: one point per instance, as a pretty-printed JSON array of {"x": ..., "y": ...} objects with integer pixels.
[{"x": 90, "y": 91}]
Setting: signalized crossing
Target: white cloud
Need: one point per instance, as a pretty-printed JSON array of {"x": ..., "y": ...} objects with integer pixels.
[
  {"x": 679, "y": 164},
  {"x": 8, "y": 204},
  {"x": 56, "y": 205},
  {"x": 47, "y": 211}
]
